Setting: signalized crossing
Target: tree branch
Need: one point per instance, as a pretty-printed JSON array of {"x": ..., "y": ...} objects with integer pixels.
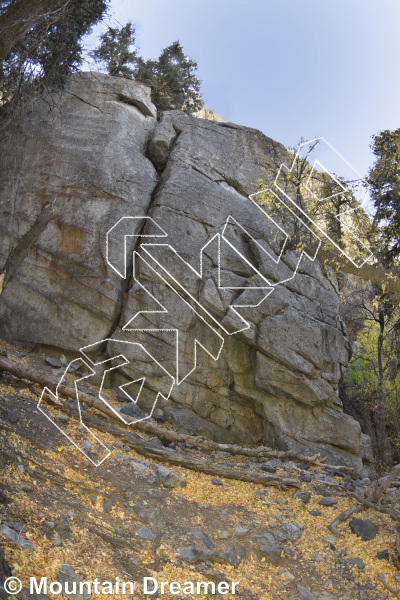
[{"x": 21, "y": 16}]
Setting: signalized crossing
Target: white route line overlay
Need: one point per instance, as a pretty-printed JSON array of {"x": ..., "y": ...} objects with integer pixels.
[
  {"x": 324, "y": 233},
  {"x": 126, "y": 362},
  {"x": 114, "y": 227},
  {"x": 58, "y": 400},
  {"x": 178, "y": 380},
  {"x": 147, "y": 249},
  {"x": 92, "y": 372}
]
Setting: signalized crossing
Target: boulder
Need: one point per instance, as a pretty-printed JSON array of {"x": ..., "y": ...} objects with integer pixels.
[
  {"x": 81, "y": 160},
  {"x": 84, "y": 161}
]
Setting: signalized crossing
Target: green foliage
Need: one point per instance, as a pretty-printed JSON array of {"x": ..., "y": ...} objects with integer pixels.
[
  {"x": 321, "y": 203},
  {"x": 384, "y": 179},
  {"x": 117, "y": 50},
  {"x": 373, "y": 379},
  {"x": 172, "y": 79},
  {"x": 60, "y": 51},
  {"x": 363, "y": 373},
  {"x": 47, "y": 52}
]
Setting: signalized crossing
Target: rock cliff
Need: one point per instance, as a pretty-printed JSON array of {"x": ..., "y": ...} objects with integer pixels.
[{"x": 79, "y": 161}]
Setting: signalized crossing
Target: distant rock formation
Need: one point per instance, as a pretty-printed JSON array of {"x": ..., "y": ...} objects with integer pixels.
[
  {"x": 79, "y": 161},
  {"x": 209, "y": 115}
]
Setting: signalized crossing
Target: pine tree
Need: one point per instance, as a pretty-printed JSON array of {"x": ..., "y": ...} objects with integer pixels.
[
  {"x": 172, "y": 79},
  {"x": 117, "y": 51},
  {"x": 384, "y": 179}
]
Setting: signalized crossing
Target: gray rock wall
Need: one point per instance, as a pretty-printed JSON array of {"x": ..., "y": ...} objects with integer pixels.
[{"x": 81, "y": 160}]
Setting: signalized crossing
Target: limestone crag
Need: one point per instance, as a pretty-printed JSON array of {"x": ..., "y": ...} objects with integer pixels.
[{"x": 80, "y": 160}]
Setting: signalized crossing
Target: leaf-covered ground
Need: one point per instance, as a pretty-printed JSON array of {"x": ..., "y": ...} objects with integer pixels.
[{"x": 45, "y": 477}]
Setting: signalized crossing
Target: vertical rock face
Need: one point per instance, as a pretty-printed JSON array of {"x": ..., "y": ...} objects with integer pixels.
[
  {"x": 81, "y": 157},
  {"x": 80, "y": 161}
]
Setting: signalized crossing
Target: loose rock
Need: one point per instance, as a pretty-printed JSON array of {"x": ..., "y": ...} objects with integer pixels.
[
  {"x": 53, "y": 362},
  {"x": 223, "y": 535},
  {"x": 25, "y": 487},
  {"x": 305, "y": 594},
  {"x": 191, "y": 554},
  {"x": 168, "y": 478},
  {"x": 62, "y": 418},
  {"x": 234, "y": 556},
  {"x": 267, "y": 547},
  {"x": 10, "y": 415},
  {"x": 202, "y": 537},
  {"x": 4, "y": 573},
  {"x": 241, "y": 531},
  {"x": 66, "y": 575},
  {"x": 107, "y": 504},
  {"x": 26, "y": 595},
  {"x": 288, "y": 531},
  {"x": 357, "y": 562},
  {"x": 132, "y": 410},
  {"x": 63, "y": 527},
  {"x": 303, "y": 496},
  {"x": 364, "y": 528},
  {"x": 15, "y": 537},
  {"x": 216, "y": 481},
  {"x": 146, "y": 534},
  {"x": 327, "y": 501},
  {"x": 154, "y": 517},
  {"x": 268, "y": 468}
]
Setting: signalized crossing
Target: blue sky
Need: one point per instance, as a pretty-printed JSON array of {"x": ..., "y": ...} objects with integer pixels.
[{"x": 290, "y": 68}]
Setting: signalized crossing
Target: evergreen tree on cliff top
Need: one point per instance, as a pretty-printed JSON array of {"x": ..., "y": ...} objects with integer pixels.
[
  {"x": 117, "y": 51},
  {"x": 172, "y": 77}
]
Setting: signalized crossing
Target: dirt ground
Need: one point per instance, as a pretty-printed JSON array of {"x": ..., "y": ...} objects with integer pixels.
[{"x": 119, "y": 520}]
